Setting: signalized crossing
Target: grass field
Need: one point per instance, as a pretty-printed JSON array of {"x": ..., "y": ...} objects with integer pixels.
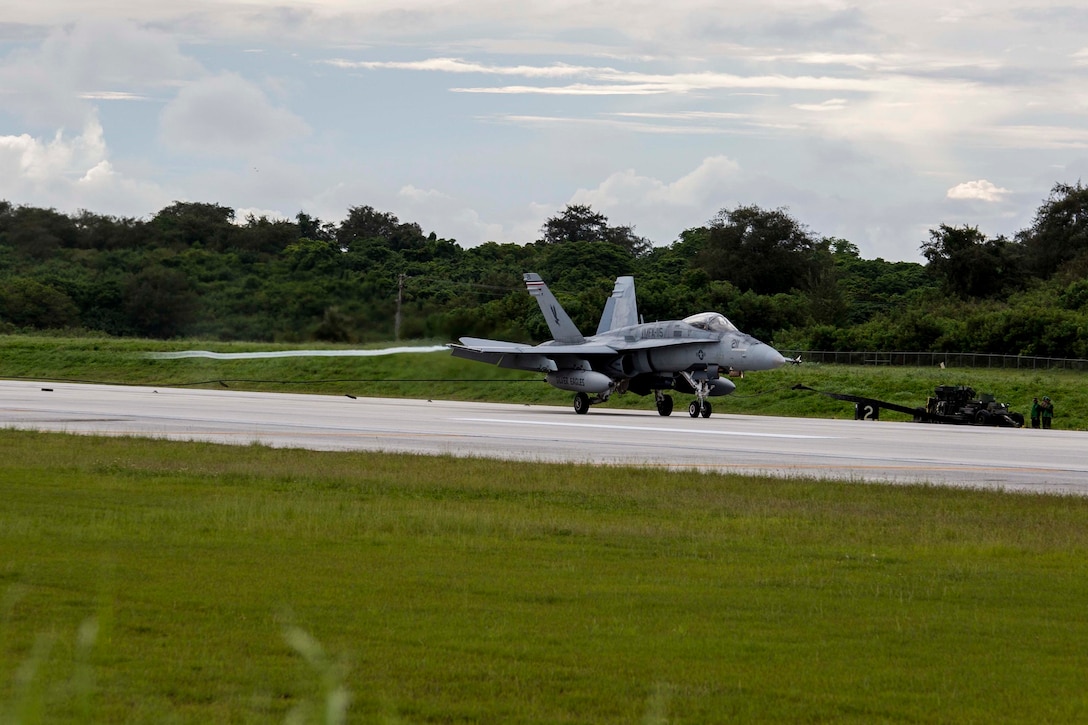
[{"x": 151, "y": 581}]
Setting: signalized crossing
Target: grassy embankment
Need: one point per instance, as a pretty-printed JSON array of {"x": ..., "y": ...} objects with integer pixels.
[
  {"x": 445, "y": 377},
  {"x": 152, "y": 581}
]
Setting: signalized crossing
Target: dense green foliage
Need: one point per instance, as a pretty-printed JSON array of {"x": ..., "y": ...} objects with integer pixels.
[
  {"x": 150, "y": 581},
  {"x": 193, "y": 270}
]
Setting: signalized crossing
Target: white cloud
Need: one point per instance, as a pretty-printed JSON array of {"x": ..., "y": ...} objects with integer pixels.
[
  {"x": 660, "y": 209},
  {"x": 112, "y": 96},
  {"x": 628, "y": 189},
  {"x": 855, "y": 60},
  {"x": 704, "y": 184},
  {"x": 622, "y": 122},
  {"x": 687, "y": 115},
  {"x": 574, "y": 89},
  {"x": 72, "y": 173},
  {"x": 603, "y": 80},
  {"x": 101, "y": 174},
  {"x": 27, "y": 160},
  {"x": 226, "y": 115},
  {"x": 980, "y": 190},
  {"x": 417, "y": 195},
  {"x": 457, "y": 65},
  {"x": 89, "y": 60},
  {"x": 242, "y": 215},
  {"x": 446, "y": 215},
  {"x": 832, "y": 104},
  {"x": 98, "y": 54},
  {"x": 1044, "y": 137},
  {"x": 467, "y": 224}
]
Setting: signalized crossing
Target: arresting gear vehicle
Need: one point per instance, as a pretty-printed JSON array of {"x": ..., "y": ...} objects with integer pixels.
[
  {"x": 960, "y": 404},
  {"x": 955, "y": 404}
]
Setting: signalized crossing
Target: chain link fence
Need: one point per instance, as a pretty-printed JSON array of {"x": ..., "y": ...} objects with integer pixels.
[{"x": 938, "y": 359}]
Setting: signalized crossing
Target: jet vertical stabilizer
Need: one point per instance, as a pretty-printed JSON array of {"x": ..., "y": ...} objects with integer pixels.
[
  {"x": 620, "y": 310},
  {"x": 562, "y": 327}
]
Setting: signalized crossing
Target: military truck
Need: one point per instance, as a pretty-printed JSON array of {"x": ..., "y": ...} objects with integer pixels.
[{"x": 961, "y": 404}]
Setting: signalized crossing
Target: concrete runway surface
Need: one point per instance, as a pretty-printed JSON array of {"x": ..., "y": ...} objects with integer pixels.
[{"x": 1051, "y": 461}]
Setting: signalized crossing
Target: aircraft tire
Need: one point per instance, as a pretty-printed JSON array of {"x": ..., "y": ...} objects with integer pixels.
[
  {"x": 693, "y": 409},
  {"x": 581, "y": 403},
  {"x": 707, "y": 409},
  {"x": 665, "y": 406}
]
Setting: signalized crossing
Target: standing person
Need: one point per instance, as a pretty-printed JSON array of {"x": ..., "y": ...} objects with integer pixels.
[
  {"x": 1034, "y": 412},
  {"x": 1046, "y": 409}
]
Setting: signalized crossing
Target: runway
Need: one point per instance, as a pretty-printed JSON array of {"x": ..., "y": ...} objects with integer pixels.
[{"x": 1013, "y": 459}]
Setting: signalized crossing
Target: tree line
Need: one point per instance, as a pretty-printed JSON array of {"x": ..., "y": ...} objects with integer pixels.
[{"x": 193, "y": 270}]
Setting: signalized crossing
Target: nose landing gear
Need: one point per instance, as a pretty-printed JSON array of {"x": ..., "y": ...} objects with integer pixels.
[{"x": 700, "y": 408}]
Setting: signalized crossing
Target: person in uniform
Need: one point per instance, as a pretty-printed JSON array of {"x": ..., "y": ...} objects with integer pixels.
[{"x": 1046, "y": 411}]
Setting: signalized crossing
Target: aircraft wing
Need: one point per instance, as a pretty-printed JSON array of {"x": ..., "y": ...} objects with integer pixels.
[
  {"x": 500, "y": 346},
  {"x": 504, "y": 354},
  {"x": 524, "y": 357}
]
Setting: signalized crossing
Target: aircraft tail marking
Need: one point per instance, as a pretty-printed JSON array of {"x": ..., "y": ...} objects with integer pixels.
[{"x": 562, "y": 327}]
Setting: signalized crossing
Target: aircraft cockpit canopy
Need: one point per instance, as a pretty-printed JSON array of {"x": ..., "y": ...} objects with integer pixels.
[{"x": 711, "y": 322}]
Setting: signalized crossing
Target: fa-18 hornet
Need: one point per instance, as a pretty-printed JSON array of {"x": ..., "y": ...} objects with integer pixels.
[{"x": 689, "y": 355}]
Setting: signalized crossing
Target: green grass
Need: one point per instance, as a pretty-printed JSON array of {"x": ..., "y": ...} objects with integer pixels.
[{"x": 151, "y": 581}]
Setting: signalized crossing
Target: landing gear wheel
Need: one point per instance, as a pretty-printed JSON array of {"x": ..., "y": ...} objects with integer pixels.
[
  {"x": 693, "y": 409},
  {"x": 664, "y": 406},
  {"x": 707, "y": 409},
  {"x": 581, "y": 403}
]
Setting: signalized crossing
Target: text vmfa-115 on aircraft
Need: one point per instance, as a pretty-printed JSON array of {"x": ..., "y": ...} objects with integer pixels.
[{"x": 689, "y": 355}]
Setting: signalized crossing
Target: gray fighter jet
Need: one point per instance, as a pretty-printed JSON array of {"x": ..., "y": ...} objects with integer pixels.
[{"x": 688, "y": 356}]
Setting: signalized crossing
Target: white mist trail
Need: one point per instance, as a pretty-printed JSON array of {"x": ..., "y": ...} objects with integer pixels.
[{"x": 291, "y": 353}]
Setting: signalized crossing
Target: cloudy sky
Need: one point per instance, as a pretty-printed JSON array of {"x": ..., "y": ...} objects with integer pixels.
[{"x": 479, "y": 119}]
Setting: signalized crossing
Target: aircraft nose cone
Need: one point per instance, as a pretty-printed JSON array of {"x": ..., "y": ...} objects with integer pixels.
[{"x": 762, "y": 356}]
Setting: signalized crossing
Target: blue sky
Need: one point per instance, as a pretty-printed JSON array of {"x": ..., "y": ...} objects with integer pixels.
[{"x": 478, "y": 120}]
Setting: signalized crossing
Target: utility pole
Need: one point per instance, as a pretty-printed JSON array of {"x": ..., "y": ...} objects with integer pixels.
[{"x": 400, "y": 299}]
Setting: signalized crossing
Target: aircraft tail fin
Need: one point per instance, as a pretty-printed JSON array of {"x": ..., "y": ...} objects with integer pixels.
[
  {"x": 562, "y": 327},
  {"x": 620, "y": 310}
]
